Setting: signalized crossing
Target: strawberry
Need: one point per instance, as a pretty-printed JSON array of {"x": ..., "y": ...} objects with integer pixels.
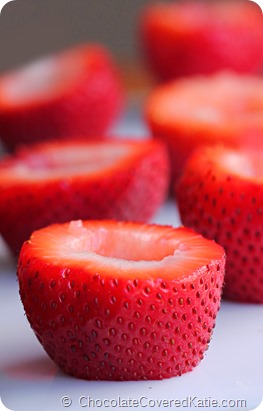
[
  {"x": 223, "y": 108},
  {"x": 59, "y": 181},
  {"x": 220, "y": 194},
  {"x": 121, "y": 301},
  {"x": 201, "y": 37},
  {"x": 74, "y": 92}
]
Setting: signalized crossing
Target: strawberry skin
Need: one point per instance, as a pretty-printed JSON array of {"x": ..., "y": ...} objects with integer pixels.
[
  {"x": 59, "y": 181},
  {"x": 225, "y": 108},
  {"x": 74, "y": 92},
  {"x": 121, "y": 301},
  {"x": 220, "y": 195},
  {"x": 201, "y": 37}
]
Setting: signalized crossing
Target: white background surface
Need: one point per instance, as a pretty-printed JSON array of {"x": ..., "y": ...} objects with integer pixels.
[{"x": 232, "y": 368}]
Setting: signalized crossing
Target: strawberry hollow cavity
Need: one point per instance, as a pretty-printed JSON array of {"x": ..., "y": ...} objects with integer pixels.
[
  {"x": 48, "y": 163},
  {"x": 125, "y": 247}
]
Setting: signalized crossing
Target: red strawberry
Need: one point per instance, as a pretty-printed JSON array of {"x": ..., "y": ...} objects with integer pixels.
[
  {"x": 75, "y": 92},
  {"x": 223, "y": 108},
  {"x": 220, "y": 194},
  {"x": 59, "y": 181},
  {"x": 121, "y": 301},
  {"x": 201, "y": 37}
]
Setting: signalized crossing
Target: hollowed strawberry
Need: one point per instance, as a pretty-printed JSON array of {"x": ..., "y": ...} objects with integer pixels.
[
  {"x": 60, "y": 181},
  {"x": 223, "y": 108},
  {"x": 121, "y": 301},
  {"x": 75, "y": 92},
  {"x": 220, "y": 194},
  {"x": 201, "y": 37}
]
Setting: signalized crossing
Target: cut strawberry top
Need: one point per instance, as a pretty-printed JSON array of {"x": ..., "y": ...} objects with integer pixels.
[
  {"x": 37, "y": 80},
  {"x": 46, "y": 78},
  {"x": 246, "y": 165},
  {"x": 215, "y": 100},
  {"x": 51, "y": 161},
  {"x": 120, "y": 249},
  {"x": 224, "y": 108},
  {"x": 193, "y": 16}
]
